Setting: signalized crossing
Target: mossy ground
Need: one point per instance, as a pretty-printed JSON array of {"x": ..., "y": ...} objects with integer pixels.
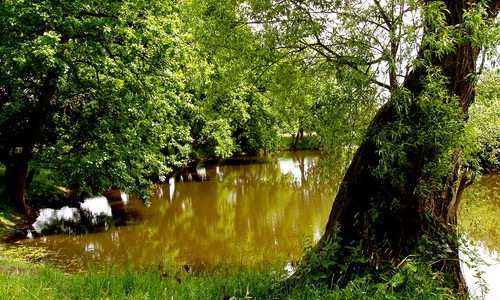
[{"x": 8, "y": 223}]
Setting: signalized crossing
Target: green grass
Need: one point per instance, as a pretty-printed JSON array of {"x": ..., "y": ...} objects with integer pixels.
[
  {"x": 21, "y": 282},
  {"x": 9, "y": 221}
]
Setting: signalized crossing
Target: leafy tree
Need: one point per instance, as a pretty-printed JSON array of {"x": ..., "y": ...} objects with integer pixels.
[
  {"x": 234, "y": 112},
  {"x": 262, "y": 91},
  {"x": 400, "y": 193},
  {"x": 90, "y": 90}
]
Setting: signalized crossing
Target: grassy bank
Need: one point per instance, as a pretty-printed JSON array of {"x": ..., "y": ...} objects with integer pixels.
[
  {"x": 10, "y": 222},
  {"x": 22, "y": 280}
]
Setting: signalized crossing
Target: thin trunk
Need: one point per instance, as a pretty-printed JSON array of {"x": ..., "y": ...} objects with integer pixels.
[{"x": 299, "y": 138}]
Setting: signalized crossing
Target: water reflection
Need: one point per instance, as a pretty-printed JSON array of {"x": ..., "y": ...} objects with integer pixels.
[
  {"x": 478, "y": 212},
  {"x": 246, "y": 211},
  {"x": 93, "y": 213},
  {"x": 478, "y": 218},
  {"x": 49, "y": 218},
  {"x": 482, "y": 271}
]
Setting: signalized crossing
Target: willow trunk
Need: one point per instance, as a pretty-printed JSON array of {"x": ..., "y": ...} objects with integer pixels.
[{"x": 363, "y": 219}]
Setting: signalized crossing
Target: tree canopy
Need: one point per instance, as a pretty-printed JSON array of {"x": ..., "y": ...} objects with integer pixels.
[
  {"x": 92, "y": 91},
  {"x": 111, "y": 94},
  {"x": 107, "y": 95}
]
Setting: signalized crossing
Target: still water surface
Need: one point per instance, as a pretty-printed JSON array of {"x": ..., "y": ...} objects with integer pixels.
[{"x": 242, "y": 211}]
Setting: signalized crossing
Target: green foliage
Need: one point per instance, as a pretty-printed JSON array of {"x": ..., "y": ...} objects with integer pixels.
[
  {"x": 145, "y": 87},
  {"x": 229, "y": 114},
  {"x": 119, "y": 65},
  {"x": 414, "y": 277},
  {"x": 323, "y": 265},
  {"x": 423, "y": 137},
  {"x": 484, "y": 125}
]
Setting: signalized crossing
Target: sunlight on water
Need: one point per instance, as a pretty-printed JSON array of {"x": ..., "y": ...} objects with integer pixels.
[
  {"x": 244, "y": 211},
  {"x": 49, "y": 217},
  {"x": 65, "y": 220},
  {"x": 482, "y": 273},
  {"x": 478, "y": 218},
  {"x": 249, "y": 211}
]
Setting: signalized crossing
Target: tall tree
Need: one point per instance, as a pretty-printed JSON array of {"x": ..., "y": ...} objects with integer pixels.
[
  {"x": 88, "y": 89},
  {"x": 235, "y": 112},
  {"x": 405, "y": 180}
]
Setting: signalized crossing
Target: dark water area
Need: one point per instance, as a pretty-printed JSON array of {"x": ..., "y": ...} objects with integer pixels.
[{"x": 246, "y": 211}]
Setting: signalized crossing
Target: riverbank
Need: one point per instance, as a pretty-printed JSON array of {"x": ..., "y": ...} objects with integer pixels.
[
  {"x": 158, "y": 283},
  {"x": 25, "y": 273}
]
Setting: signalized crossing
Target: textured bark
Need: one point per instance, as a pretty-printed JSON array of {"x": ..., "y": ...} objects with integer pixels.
[{"x": 395, "y": 231}]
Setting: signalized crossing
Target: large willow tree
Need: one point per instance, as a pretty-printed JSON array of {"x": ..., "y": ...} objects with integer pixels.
[{"x": 399, "y": 196}]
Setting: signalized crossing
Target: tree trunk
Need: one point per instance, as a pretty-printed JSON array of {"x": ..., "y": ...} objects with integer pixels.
[
  {"x": 17, "y": 169},
  {"x": 31, "y": 176},
  {"x": 299, "y": 138},
  {"x": 382, "y": 222}
]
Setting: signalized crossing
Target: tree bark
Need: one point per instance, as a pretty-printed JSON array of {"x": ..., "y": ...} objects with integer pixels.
[
  {"x": 299, "y": 138},
  {"x": 366, "y": 220},
  {"x": 18, "y": 165},
  {"x": 17, "y": 170}
]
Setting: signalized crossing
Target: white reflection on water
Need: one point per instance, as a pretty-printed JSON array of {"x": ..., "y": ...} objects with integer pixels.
[
  {"x": 171, "y": 184},
  {"x": 318, "y": 233},
  {"x": 232, "y": 198},
  {"x": 297, "y": 167},
  {"x": 202, "y": 172},
  {"x": 48, "y": 217},
  {"x": 487, "y": 266},
  {"x": 124, "y": 198},
  {"x": 97, "y": 206},
  {"x": 60, "y": 219}
]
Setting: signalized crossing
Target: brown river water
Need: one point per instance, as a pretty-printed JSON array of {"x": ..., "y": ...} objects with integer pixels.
[
  {"x": 241, "y": 211},
  {"x": 244, "y": 211}
]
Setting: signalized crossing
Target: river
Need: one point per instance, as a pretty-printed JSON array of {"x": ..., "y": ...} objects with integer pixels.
[{"x": 240, "y": 212}]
